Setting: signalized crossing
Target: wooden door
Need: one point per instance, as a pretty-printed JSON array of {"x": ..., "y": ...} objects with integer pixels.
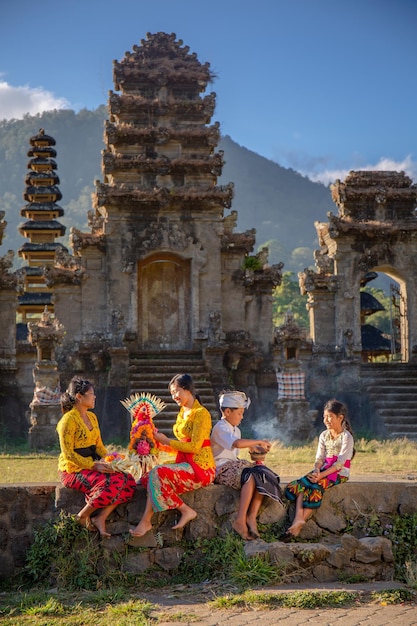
[{"x": 164, "y": 303}]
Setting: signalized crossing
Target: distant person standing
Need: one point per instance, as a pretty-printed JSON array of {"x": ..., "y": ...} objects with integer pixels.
[
  {"x": 80, "y": 462},
  {"x": 334, "y": 453}
]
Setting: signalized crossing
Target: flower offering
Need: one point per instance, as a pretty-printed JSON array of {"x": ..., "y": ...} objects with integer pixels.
[{"x": 143, "y": 449}]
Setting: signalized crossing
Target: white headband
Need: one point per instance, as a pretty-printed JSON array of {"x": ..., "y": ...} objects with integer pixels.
[{"x": 234, "y": 400}]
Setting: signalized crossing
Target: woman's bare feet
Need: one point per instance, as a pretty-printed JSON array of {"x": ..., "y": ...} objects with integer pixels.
[
  {"x": 296, "y": 527},
  {"x": 241, "y": 530},
  {"x": 187, "y": 514},
  {"x": 100, "y": 525},
  {"x": 141, "y": 529},
  {"x": 85, "y": 522}
]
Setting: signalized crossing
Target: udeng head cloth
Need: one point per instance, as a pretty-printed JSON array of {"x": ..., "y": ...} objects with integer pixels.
[{"x": 234, "y": 400}]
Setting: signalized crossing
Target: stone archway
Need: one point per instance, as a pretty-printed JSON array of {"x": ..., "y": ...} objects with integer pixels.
[
  {"x": 164, "y": 302},
  {"x": 384, "y": 324}
]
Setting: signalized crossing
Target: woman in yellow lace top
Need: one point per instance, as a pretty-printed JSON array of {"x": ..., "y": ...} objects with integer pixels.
[
  {"x": 80, "y": 462},
  {"x": 194, "y": 465}
]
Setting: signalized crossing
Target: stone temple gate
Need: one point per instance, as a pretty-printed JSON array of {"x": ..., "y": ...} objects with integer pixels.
[
  {"x": 375, "y": 231},
  {"x": 162, "y": 283}
]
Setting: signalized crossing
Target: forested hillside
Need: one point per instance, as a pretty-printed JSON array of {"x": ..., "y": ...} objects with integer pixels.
[{"x": 280, "y": 203}]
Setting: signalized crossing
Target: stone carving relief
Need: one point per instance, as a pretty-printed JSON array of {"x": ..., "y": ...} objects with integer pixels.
[
  {"x": 80, "y": 240},
  {"x": 163, "y": 235},
  {"x": 67, "y": 269},
  {"x": 374, "y": 256},
  {"x": 215, "y": 334},
  {"x": 310, "y": 280},
  {"x": 323, "y": 262},
  {"x": 230, "y": 222},
  {"x": 7, "y": 280},
  {"x": 45, "y": 335}
]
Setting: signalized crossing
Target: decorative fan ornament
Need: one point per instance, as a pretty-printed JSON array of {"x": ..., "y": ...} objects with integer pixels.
[{"x": 144, "y": 405}]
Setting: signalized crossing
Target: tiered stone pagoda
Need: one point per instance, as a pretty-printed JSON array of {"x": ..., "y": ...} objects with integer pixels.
[
  {"x": 162, "y": 272},
  {"x": 41, "y": 228}
]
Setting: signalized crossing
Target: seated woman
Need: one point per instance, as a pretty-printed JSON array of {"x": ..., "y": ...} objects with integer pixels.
[
  {"x": 194, "y": 464},
  {"x": 254, "y": 480},
  {"x": 334, "y": 453},
  {"x": 80, "y": 462}
]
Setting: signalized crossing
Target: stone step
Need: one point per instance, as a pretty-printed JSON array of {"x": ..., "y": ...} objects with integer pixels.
[
  {"x": 402, "y": 418},
  {"x": 379, "y": 387},
  {"x": 392, "y": 408},
  {"x": 151, "y": 372},
  {"x": 392, "y": 390}
]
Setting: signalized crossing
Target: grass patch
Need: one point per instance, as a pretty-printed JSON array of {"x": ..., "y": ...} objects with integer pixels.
[
  {"x": 310, "y": 599},
  {"x": 295, "y": 599},
  {"x": 89, "y": 609}
]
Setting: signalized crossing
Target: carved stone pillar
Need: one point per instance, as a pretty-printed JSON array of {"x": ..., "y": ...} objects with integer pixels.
[{"x": 45, "y": 407}]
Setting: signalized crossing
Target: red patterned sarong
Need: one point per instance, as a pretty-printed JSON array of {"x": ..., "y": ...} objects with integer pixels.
[
  {"x": 101, "y": 489},
  {"x": 165, "y": 483}
]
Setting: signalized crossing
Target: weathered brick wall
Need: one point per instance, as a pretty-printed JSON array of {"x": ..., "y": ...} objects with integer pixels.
[{"x": 336, "y": 533}]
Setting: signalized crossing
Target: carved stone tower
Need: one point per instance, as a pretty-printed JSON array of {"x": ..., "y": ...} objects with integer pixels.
[{"x": 159, "y": 197}]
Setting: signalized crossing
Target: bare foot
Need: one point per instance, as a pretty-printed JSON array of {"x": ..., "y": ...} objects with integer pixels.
[
  {"x": 296, "y": 527},
  {"x": 186, "y": 516},
  {"x": 241, "y": 530},
  {"x": 86, "y": 522},
  {"x": 100, "y": 525},
  {"x": 253, "y": 528},
  {"x": 141, "y": 529}
]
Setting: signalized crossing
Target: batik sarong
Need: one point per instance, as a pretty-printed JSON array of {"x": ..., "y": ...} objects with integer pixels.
[
  {"x": 101, "y": 489},
  {"x": 312, "y": 492}
]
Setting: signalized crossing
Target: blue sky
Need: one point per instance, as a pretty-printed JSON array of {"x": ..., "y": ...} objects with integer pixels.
[{"x": 322, "y": 86}]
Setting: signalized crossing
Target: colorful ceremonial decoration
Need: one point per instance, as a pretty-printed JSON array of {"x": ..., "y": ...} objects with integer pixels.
[{"x": 143, "y": 448}]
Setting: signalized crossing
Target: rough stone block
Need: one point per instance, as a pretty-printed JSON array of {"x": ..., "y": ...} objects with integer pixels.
[{"x": 169, "y": 558}]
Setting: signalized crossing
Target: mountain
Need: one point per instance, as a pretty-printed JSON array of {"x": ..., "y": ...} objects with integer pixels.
[{"x": 280, "y": 203}]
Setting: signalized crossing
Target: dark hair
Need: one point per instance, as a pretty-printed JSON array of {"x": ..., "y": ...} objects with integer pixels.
[
  {"x": 76, "y": 385},
  {"x": 185, "y": 382},
  {"x": 338, "y": 408}
]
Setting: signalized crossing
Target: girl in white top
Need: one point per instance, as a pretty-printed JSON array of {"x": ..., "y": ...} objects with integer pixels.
[{"x": 334, "y": 453}]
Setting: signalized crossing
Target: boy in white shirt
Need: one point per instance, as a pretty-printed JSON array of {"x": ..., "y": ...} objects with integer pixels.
[{"x": 254, "y": 479}]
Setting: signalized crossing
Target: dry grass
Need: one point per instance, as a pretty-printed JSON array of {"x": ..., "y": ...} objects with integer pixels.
[{"x": 396, "y": 458}]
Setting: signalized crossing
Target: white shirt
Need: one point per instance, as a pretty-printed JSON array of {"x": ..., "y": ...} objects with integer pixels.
[
  {"x": 342, "y": 447},
  {"x": 222, "y": 438}
]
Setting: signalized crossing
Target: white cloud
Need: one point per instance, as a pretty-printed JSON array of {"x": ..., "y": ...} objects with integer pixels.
[
  {"x": 16, "y": 102},
  {"x": 328, "y": 176}
]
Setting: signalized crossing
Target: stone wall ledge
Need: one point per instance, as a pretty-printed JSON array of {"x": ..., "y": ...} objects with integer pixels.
[{"x": 334, "y": 539}]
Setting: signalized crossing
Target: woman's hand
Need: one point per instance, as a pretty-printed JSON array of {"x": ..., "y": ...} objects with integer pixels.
[
  {"x": 162, "y": 438},
  {"x": 104, "y": 468}
]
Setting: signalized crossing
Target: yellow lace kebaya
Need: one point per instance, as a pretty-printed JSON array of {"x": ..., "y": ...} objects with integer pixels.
[
  {"x": 192, "y": 433},
  {"x": 73, "y": 434}
]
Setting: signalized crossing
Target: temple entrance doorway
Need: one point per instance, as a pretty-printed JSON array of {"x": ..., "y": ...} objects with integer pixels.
[
  {"x": 164, "y": 303},
  {"x": 384, "y": 326}
]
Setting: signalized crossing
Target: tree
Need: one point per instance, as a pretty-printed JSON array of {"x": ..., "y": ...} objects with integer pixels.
[{"x": 287, "y": 297}]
